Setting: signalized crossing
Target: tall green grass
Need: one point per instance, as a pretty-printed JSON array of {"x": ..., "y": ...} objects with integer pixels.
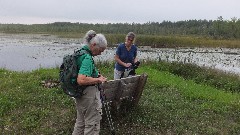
[
  {"x": 202, "y": 75},
  {"x": 156, "y": 41},
  {"x": 28, "y": 108},
  {"x": 174, "y": 105},
  {"x": 170, "y": 104}
]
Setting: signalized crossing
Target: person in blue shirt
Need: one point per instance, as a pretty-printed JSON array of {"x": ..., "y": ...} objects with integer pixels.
[{"x": 126, "y": 56}]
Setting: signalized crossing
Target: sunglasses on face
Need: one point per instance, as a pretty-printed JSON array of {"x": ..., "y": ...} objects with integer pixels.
[{"x": 130, "y": 39}]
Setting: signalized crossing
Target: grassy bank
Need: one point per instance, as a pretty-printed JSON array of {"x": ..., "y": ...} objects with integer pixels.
[
  {"x": 157, "y": 41},
  {"x": 170, "y": 104},
  {"x": 174, "y": 105}
]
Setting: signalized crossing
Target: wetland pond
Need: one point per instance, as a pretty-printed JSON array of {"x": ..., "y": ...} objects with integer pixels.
[{"x": 26, "y": 52}]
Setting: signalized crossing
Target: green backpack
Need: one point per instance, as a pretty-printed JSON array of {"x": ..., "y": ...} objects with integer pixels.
[{"x": 68, "y": 74}]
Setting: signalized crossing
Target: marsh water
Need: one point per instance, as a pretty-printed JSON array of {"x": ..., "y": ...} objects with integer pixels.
[{"x": 26, "y": 52}]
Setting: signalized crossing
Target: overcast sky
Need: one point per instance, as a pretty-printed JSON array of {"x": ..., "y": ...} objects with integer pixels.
[{"x": 115, "y": 11}]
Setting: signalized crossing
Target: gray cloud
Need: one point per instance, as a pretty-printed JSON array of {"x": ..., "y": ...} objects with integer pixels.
[{"x": 104, "y": 11}]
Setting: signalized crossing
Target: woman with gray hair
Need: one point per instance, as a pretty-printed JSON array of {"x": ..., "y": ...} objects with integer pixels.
[{"x": 89, "y": 106}]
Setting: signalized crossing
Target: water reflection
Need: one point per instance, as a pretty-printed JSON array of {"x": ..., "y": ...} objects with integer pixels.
[{"x": 30, "y": 52}]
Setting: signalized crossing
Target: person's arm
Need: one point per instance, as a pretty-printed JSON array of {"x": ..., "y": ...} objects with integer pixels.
[
  {"x": 87, "y": 80},
  {"x": 117, "y": 59},
  {"x": 135, "y": 60},
  {"x": 85, "y": 73},
  {"x": 135, "y": 56}
]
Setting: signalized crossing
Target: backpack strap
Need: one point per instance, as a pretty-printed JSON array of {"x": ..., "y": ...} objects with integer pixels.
[{"x": 80, "y": 52}]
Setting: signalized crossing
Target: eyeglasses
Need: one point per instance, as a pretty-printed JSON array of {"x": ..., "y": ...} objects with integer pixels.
[
  {"x": 130, "y": 39},
  {"x": 100, "y": 50}
]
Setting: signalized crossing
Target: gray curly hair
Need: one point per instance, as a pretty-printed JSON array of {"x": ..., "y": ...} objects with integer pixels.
[{"x": 91, "y": 37}]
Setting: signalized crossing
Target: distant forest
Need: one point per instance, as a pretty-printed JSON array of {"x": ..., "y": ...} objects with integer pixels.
[{"x": 219, "y": 29}]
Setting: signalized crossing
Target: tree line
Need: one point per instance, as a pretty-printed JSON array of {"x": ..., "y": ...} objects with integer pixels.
[{"x": 217, "y": 29}]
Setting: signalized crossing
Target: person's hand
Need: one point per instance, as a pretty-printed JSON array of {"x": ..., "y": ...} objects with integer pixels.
[
  {"x": 136, "y": 64},
  {"x": 101, "y": 79},
  {"x": 128, "y": 65}
]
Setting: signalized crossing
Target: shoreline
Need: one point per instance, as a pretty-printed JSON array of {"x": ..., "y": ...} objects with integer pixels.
[{"x": 32, "y": 51}]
